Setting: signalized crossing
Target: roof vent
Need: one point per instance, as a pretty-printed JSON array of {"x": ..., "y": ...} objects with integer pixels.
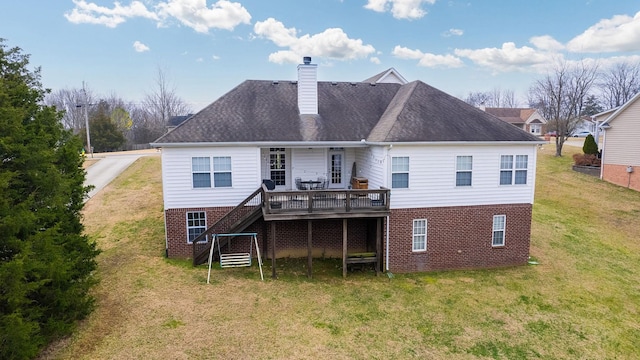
[
  {"x": 275, "y": 82},
  {"x": 334, "y": 83},
  {"x": 353, "y": 84},
  {"x": 306, "y": 60}
]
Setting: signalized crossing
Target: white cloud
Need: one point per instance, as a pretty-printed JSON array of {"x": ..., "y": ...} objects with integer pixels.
[
  {"x": 400, "y": 9},
  {"x": 140, "y": 47},
  {"x": 507, "y": 58},
  {"x": 195, "y": 14},
  {"x": 453, "y": 32},
  {"x": 331, "y": 43},
  {"x": 215, "y": 57},
  {"x": 546, "y": 43},
  {"x": 199, "y": 60},
  {"x": 427, "y": 59},
  {"x": 620, "y": 33},
  {"x": 375, "y": 60},
  {"x": 90, "y": 13}
]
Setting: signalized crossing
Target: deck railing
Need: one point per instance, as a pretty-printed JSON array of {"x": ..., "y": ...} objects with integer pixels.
[{"x": 326, "y": 201}]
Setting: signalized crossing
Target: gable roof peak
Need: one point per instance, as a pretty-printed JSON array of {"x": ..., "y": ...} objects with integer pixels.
[{"x": 389, "y": 76}]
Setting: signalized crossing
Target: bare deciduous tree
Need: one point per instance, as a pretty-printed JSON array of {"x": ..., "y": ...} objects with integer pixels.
[
  {"x": 71, "y": 101},
  {"x": 162, "y": 104},
  {"x": 561, "y": 95},
  {"x": 620, "y": 84},
  {"x": 494, "y": 98}
]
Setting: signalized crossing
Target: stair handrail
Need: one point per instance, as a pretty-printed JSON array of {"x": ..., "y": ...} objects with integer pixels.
[{"x": 224, "y": 223}]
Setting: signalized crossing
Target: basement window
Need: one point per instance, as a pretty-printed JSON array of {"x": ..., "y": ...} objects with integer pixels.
[{"x": 196, "y": 225}]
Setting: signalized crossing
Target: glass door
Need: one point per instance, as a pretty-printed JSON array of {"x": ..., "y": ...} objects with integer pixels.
[{"x": 336, "y": 169}]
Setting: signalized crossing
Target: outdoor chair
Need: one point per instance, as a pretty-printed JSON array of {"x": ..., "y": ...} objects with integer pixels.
[
  {"x": 270, "y": 184},
  {"x": 322, "y": 183}
]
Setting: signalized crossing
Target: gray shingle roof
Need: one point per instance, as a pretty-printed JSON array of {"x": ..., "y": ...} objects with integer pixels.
[{"x": 266, "y": 111}]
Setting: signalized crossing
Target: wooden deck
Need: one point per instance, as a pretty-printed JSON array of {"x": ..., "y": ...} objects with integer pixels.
[{"x": 324, "y": 204}]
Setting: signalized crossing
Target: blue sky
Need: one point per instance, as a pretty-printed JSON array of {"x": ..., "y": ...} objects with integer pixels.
[{"x": 208, "y": 47}]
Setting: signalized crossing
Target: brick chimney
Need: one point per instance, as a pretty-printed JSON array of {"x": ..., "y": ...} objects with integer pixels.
[{"x": 308, "y": 87}]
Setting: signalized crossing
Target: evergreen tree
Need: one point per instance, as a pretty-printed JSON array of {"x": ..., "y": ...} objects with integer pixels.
[
  {"x": 105, "y": 135},
  {"x": 46, "y": 263},
  {"x": 590, "y": 147}
]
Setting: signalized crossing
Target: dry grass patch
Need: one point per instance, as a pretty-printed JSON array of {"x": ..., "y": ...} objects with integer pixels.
[{"x": 582, "y": 301}]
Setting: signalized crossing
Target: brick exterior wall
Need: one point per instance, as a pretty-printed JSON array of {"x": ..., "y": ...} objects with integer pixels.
[
  {"x": 617, "y": 174},
  {"x": 459, "y": 238},
  {"x": 291, "y": 236}
]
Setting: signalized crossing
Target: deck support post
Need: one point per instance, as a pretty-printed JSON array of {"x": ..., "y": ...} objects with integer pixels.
[
  {"x": 309, "y": 244},
  {"x": 344, "y": 248},
  {"x": 273, "y": 250},
  {"x": 378, "y": 244}
]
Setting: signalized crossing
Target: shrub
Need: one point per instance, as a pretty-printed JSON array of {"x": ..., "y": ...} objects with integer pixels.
[
  {"x": 590, "y": 146},
  {"x": 586, "y": 160}
]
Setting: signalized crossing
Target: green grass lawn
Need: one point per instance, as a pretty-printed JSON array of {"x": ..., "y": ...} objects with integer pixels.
[{"x": 581, "y": 301}]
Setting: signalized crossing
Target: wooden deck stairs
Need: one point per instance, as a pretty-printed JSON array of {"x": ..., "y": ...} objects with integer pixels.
[{"x": 235, "y": 221}]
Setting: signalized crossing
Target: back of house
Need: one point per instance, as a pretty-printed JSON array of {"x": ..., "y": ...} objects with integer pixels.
[{"x": 400, "y": 171}]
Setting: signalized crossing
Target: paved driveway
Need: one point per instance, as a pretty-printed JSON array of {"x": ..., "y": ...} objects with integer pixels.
[{"x": 110, "y": 165}]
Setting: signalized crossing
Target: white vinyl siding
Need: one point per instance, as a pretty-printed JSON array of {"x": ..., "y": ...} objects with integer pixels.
[
  {"x": 177, "y": 177},
  {"x": 464, "y": 168},
  {"x": 419, "y": 242},
  {"x": 371, "y": 165},
  {"x": 499, "y": 226},
  {"x": 433, "y": 176},
  {"x": 621, "y": 145}
]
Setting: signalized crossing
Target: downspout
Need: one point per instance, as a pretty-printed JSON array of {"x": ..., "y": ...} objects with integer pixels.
[
  {"x": 387, "y": 226},
  {"x": 387, "y": 247}
]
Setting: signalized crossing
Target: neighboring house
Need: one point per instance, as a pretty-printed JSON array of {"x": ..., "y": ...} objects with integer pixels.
[
  {"x": 174, "y": 121},
  {"x": 415, "y": 178},
  {"x": 529, "y": 120},
  {"x": 621, "y": 148}
]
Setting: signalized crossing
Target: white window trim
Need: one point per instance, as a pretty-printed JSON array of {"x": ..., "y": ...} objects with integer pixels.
[
  {"x": 193, "y": 185},
  {"x": 513, "y": 170},
  {"x": 408, "y": 171},
  {"x": 192, "y": 227},
  {"x": 414, "y": 235},
  {"x": 463, "y": 171},
  {"x": 214, "y": 171},
  {"x": 503, "y": 229},
  {"x": 535, "y": 129}
]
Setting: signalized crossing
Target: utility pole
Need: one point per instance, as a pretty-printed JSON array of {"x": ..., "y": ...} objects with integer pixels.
[{"x": 86, "y": 119}]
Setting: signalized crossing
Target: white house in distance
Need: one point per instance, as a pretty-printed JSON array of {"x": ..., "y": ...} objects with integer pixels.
[
  {"x": 621, "y": 147},
  {"x": 527, "y": 119},
  {"x": 386, "y": 171}
]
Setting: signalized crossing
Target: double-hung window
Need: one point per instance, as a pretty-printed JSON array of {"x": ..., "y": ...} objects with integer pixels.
[
  {"x": 196, "y": 225},
  {"x": 499, "y": 226},
  {"x": 419, "y": 235},
  {"x": 222, "y": 171},
  {"x": 464, "y": 167},
  {"x": 400, "y": 172},
  {"x": 201, "y": 172},
  {"x": 513, "y": 169}
]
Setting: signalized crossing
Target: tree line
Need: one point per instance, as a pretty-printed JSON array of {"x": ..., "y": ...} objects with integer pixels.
[
  {"x": 117, "y": 124},
  {"x": 569, "y": 93}
]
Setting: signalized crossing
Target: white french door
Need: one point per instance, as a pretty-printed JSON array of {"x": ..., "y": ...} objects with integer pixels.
[{"x": 336, "y": 178}]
